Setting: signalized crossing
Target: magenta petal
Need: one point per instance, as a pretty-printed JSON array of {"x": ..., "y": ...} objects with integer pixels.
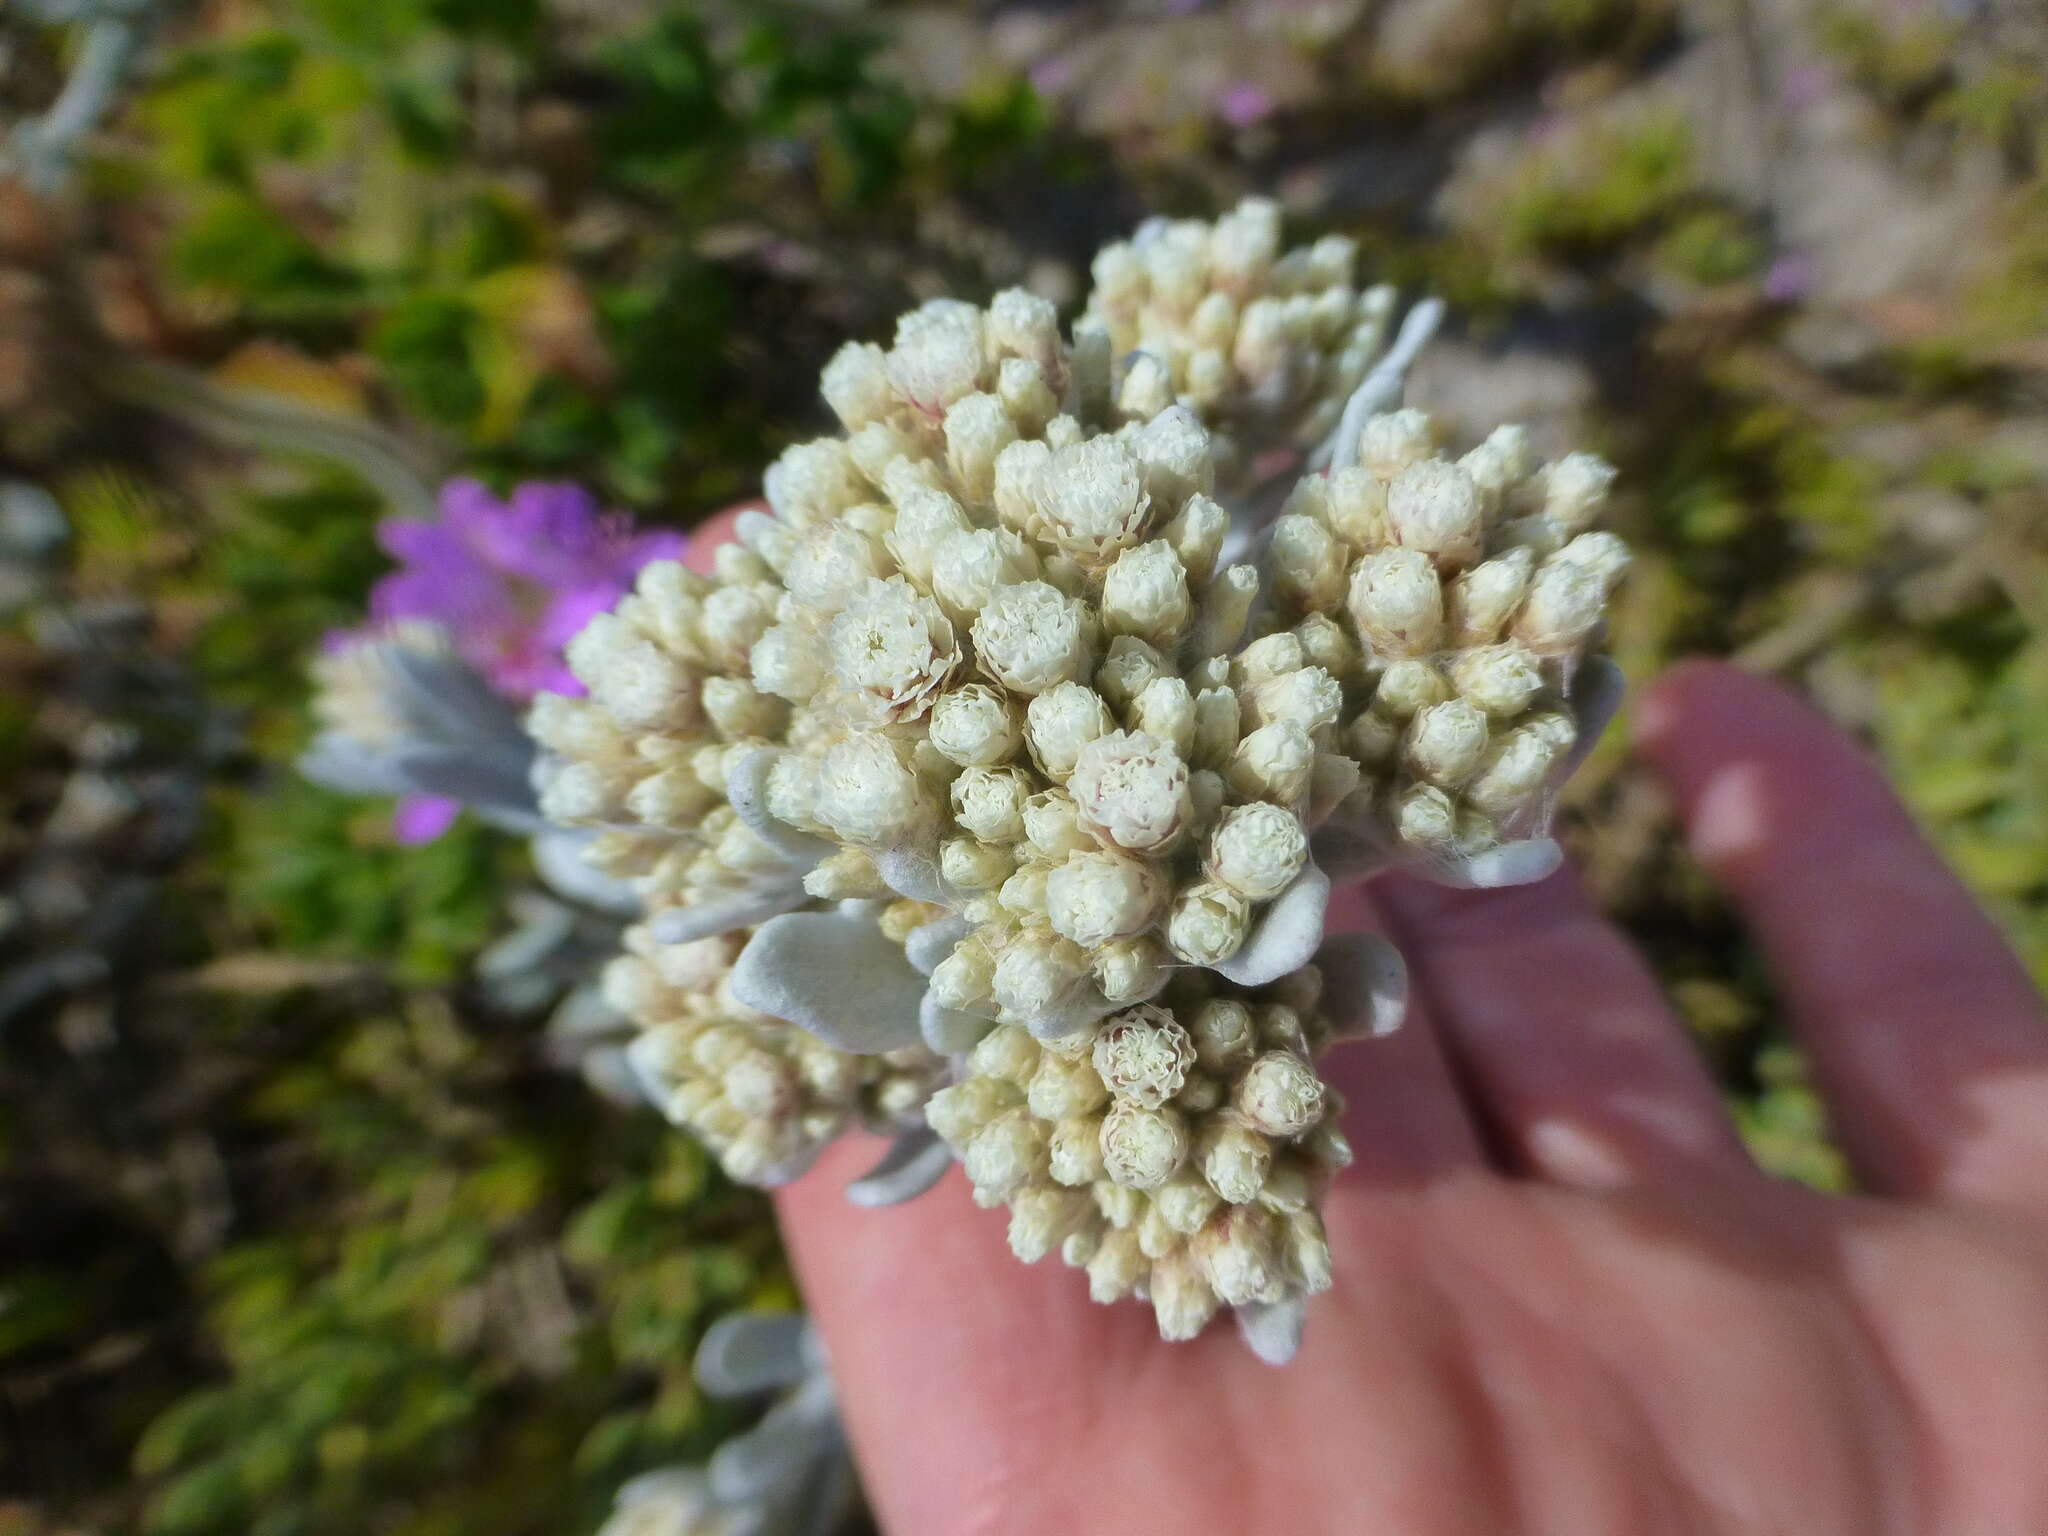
[{"x": 421, "y": 818}]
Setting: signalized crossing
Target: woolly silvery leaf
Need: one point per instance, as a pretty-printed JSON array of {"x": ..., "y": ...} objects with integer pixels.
[
  {"x": 746, "y": 785},
  {"x": 559, "y": 859},
  {"x": 1285, "y": 936},
  {"x": 949, "y": 1031},
  {"x": 834, "y": 974},
  {"x": 1272, "y": 1330},
  {"x": 1365, "y": 984},
  {"x": 914, "y": 1162},
  {"x": 752, "y": 1352},
  {"x": 680, "y": 925}
]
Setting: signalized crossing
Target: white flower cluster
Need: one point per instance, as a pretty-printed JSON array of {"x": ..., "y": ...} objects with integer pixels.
[
  {"x": 763, "y": 1095},
  {"x": 1176, "y": 1151},
  {"x": 1473, "y": 589},
  {"x": 1266, "y": 344},
  {"x": 995, "y": 754}
]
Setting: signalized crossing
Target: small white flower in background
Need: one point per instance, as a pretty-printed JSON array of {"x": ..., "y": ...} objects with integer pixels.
[{"x": 1077, "y": 786}]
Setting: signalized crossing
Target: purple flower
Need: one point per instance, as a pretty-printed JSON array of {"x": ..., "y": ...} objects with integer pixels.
[
  {"x": 1243, "y": 104},
  {"x": 512, "y": 581},
  {"x": 1789, "y": 278},
  {"x": 421, "y": 818}
]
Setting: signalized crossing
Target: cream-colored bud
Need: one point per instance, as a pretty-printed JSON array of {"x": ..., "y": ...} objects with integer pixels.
[
  {"x": 1575, "y": 491},
  {"x": 1243, "y": 245},
  {"x": 1096, "y": 897},
  {"x": 1335, "y": 779},
  {"x": 1224, "y": 1035},
  {"x": 1182, "y": 1301},
  {"x": 1041, "y": 1218},
  {"x": 1280, "y": 1094},
  {"x": 990, "y": 803},
  {"x": 762, "y": 532},
  {"x": 1390, "y": 443},
  {"x": 1206, "y": 793},
  {"x": 737, "y": 709},
  {"x": 1602, "y": 553},
  {"x": 1216, "y": 727},
  {"x": 812, "y": 481},
  {"x": 1397, "y": 602},
  {"x": 965, "y": 979},
  {"x": 1131, "y": 970},
  {"x": 1564, "y": 606},
  {"x": 1197, "y": 535},
  {"x": 968, "y": 567},
  {"x": 1038, "y": 973},
  {"x": 865, "y": 793},
  {"x": 1481, "y": 601},
  {"x": 938, "y": 355},
  {"x": 1127, "y": 667},
  {"x": 791, "y": 791},
  {"x": 1498, "y": 465},
  {"x": 1146, "y": 594},
  {"x": 829, "y": 563},
  {"x": 1027, "y": 397},
  {"x": 1023, "y": 325},
  {"x": 1433, "y": 506},
  {"x": 1272, "y": 763},
  {"x": 1052, "y": 825},
  {"x": 1091, "y": 498},
  {"x": 673, "y": 798},
  {"x": 1214, "y": 321},
  {"x": 1147, "y": 387},
  {"x": 790, "y": 661},
  {"x": 892, "y": 650},
  {"x": 1063, "y": 1087},
  {"x": 1445, "y": 742},
  {"x": 957, "y": 1112},
  {"x": 1019, "y": 470},
  {"x": 856, "y": 384},
  {"x": 1308, "y": 696},
  {"x": 1324, "y": 644},
  {"x": 1267, "y": 657},
  {"x": 1234, "y": 1159},
  {"x": 1006, "y": 1052},
  {"x": 1426, "y": 817},
  {"x": 1257, "y": 849},
  {"x": 1166, "y": 710},
  {"x": 1131, "y": 789},
  {"x": 1143, "y": 1055},
  {"x": 1243, "y": 1257},
  {"x": 1060, "y": 722},
  {"x": 1501, "y": 679},
  {"x": 925, "y": 519},
  {"x": 1023, "y": 894},
  {"x": 1355, "y": 507},
  {"x": 1207, "y": 923},
  {"x": 1091, "y": 363},
  {"x": 1004, "y": 1156},
  {"x": 1514, "y": 772},
  {"x": 1075, "y": 1155},
  {"x": 633, "y": 680},
  {"x": 973, "y": 865},
  {"x": 1031, "y": 636},
  {"x": 735, "y": 563},
  {"x": 1173, "y": 454},
  {"x": 975, "y": 726},
  {"x": 1535, "y": 533},
  {"x": 1142, "y": 1148},
  {"x": 1307, "y": 565},
  {"x": 1226, "y": 607}
]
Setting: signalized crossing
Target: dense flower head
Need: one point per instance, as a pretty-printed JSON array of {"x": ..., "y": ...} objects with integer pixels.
[
  {"x": 1175, "y": 1151},
  {"x": 985, "y": 665}
]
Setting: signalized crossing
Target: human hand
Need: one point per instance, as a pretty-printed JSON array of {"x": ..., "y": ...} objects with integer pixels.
[{"x": 1566, "y": 1300}]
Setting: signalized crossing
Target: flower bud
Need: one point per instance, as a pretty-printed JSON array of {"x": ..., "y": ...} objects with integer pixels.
[
  {"x": 1481, "y": 601},
  {"x": 1234, "y": 1159},
  {"x": 1280, "y": 1094},
  {"x": 1027, "y": 397},
  {"x": 866, "y": 795},
  {"x": 1166, "y": 709},
  {"x": 1373, "y": 739},
  {"x": 1004, "y": 1156},
  {"x": 1173, "y": 454},
  {"x": 1575, "y": 491},
  {"x": 856, "y": 385},
  {"x": 1602, "y": 553},
  {"x": 1514, "y": 771},
  {"x": 1018, "y": 472},
  {"x": 1223, "y": 1033},
  {"x": 1131, "y": 789},
  {"x": 1131, "y": 970},
  {"x": 1094, "y": 898},
  {"x": 1063, "y": 1087},
  {"x": 973, "y": 865},
  {"x": 1409, "y": 685},
  {"x": 1060, "y": 722},
  {"x": 1037, "y": 974},
  {"x": 1272, "y": 763},
  {"x": 1501, "y": 679},
  {"x": 1075, "y": 1155},
  {"x": 1146, "y": 594},
  {"x": 1392, "y": 442},
  {"x": 1216, "y": 727},
  {"x": 1147, "y": 388},
  {"x": 1115, "y": 1268},
  {"x": 1226, "y": 607},
  {"x": 964, "y": 980},
  {"x": 1091, "y": 499},
  {"x": 1307, "y": 565},
  {"x": 1243, "y": 1256},
  {"x": 1042, "y": 1217},
  {"x": 1031, "y": 636},
  {"x": 1197, "y": 535},
  {"x": 812, "y": 482},
  {"x": 1564, "y": 605},
  {"x": 974, "y": 726},
  {"x": 1182, "y": 1302},
  {"x": 1052, "y": 825},
  {"x": 1397, "y": 602},
  {"x": 1426, "y": 817},
  {"x": 989, "y": 803},
  {"x": 967, "y": 568},
  {"x": 1127, "y": 666},
  {"x": 1257, "y": 849},
  {"x": 1355, "y": 508},
  {"x": 1023, "y": 894},
  {"x": 1434, "y": 507},
  {"x": 1497, "y": 466},
  {"x": 1142, "y": 1148},
  {"x": 938, "y": 354},
  {"x": 1207, "y": 923},
  {"x": 1143, "y": 1055},
  {"x": 1308, "y": 696}
]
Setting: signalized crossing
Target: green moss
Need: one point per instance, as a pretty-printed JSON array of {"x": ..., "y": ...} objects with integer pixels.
[{"x": 1600, "y": 187}]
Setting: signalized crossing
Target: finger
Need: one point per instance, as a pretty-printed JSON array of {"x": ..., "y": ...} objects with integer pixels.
[
  {"x": 714, "y": 531},
  {"x": 1927, "y": 1040},
  {"x": 1579, "y": 1068},
  {"x": 1404, "y": 1115}
]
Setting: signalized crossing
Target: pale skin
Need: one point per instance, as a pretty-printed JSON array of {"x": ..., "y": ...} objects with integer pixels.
[{"x": 1566, "y": 1300}]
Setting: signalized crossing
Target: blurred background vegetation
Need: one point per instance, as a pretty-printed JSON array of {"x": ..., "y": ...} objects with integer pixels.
[{"x": 301, "y": 1229}]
